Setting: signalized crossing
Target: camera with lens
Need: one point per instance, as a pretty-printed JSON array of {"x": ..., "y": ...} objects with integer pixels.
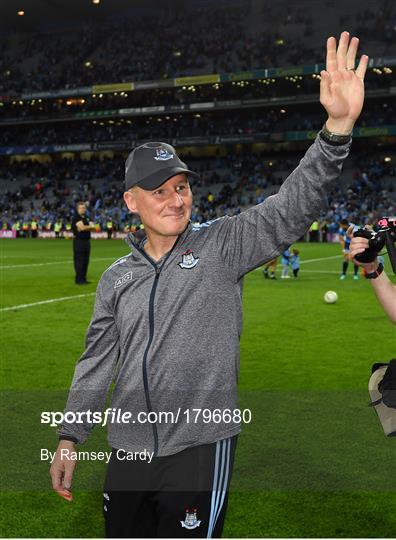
[
  {"x": 383, "y": 234},
  {"x": 382, "y": 389}
]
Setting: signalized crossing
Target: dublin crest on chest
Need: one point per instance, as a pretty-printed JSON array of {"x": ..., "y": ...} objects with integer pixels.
[{"x": 188, "y": 260}]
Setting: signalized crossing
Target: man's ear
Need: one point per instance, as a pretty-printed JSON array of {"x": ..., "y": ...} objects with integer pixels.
[{"x": 130, "y": 201}]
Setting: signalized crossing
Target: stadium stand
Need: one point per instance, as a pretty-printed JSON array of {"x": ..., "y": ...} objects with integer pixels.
[
  {"x": 70, "y": 110},
  {"x": 241, "y": 38},
  {"x": 184, "y": 125}
]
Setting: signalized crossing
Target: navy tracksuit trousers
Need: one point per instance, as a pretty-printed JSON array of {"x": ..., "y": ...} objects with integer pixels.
[{"x": 179, "y": 496}]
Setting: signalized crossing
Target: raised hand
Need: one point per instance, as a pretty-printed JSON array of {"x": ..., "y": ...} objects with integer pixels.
[{"x": 342, "y": 86}]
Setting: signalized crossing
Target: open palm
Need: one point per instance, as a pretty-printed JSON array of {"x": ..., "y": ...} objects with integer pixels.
[{"x": 342, "y": 87}]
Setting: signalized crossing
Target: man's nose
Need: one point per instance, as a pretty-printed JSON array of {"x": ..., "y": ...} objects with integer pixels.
[{"x": 177, "y": 200}]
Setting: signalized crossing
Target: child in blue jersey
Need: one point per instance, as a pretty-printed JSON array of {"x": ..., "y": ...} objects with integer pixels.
[
  {"x": 286, "y": 256},
  {"x": 345, "y": 242},
  {"x": 295, "y": 262}
]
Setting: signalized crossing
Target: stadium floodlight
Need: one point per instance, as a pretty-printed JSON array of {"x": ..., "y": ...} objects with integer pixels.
[
  {"x": 96, "y": 2},
  {"x": 21, "y": 13}
]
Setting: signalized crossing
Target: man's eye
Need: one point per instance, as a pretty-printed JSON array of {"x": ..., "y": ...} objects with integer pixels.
[{"x": 158, "y": 192}]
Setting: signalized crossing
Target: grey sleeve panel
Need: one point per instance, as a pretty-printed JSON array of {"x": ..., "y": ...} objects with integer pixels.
[
  {"x": 262, "y": 232},
  {"x": 94, "y": 370}
]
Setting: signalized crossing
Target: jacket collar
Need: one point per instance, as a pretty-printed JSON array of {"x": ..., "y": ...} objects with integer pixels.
[{"x": 134, "y": 241}]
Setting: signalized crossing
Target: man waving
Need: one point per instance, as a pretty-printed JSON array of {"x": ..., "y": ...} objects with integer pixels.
[{"x": 168, "y": 319}]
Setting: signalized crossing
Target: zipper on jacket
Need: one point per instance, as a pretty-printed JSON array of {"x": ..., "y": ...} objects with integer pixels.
[{"x": 151, "y": 335}]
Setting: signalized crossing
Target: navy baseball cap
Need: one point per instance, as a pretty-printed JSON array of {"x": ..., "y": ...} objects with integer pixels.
[{"x": 150, "y": 165}]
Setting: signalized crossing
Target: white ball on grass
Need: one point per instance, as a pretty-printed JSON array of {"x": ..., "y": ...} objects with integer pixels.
[{"x": 330, "y": 297}]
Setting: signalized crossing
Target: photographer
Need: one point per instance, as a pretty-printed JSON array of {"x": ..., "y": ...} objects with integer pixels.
[{"x": 384, "y": 289}]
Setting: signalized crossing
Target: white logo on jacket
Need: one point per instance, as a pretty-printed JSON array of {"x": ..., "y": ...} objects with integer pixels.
[
  {"x": 123, "y": 279},
  {"x": 188, "y": 260}
]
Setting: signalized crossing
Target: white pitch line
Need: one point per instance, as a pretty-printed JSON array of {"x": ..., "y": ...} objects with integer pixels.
[
  {"x": 51, "y": 263},
  {"x": 321, "y": 272},
  {"x": 112, "y": 259},
  {"x": 50, "y": 301},
  {"x": 320, "y": 259},
  {"x": 310, "y": 261}
]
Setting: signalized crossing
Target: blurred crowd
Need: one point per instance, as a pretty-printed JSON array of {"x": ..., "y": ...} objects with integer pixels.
[
  {"x": 165, "y": 44},
  {"x": 227, "y": 186},
  {"x": 367, "y": 198},
  {"x": 161, "y": 45},
  {"x": 245, "y": 122},
  {"x": 269, "y": 89}
]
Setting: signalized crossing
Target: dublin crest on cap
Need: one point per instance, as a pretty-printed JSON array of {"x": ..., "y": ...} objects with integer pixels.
[{"x": 150, "y": 165}]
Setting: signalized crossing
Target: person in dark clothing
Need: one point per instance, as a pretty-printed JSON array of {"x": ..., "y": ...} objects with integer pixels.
[
  {"x": 324, "y": 229},
  {"x": 81, "y": 227}
]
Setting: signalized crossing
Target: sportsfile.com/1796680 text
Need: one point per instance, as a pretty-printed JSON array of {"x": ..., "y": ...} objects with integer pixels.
[{"x": 113, "y": 415}]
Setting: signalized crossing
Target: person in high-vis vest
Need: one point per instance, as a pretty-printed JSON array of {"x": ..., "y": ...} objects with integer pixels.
[
  {"x": 16, "y": 227},
  {"x": 34, "y": 228},
  {"x": 314, "y": 231},
  {"x": 57, "y": 228},
  {"x": 25, "y": 229},
  {"x": 109, "y": 228}
]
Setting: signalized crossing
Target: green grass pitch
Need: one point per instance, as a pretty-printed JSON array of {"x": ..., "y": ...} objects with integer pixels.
[{"x": 313, "y": 462}]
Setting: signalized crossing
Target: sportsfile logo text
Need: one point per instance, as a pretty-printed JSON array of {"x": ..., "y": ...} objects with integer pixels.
[{"x": 113, "y": 415}]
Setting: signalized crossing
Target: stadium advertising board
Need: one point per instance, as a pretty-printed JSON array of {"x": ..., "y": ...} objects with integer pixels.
[
  {"x": 202, "y": 140},
  {"x": 69, "y": 235},
  {"x": 116, "y": 87},
  {"x": 96, "y": 114},
  {"x": 197, "y": 79},
  {"x": 7, "y": 233},
  {"x": 193, "y": 80},
  {"x": 82, "y": 90}
]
